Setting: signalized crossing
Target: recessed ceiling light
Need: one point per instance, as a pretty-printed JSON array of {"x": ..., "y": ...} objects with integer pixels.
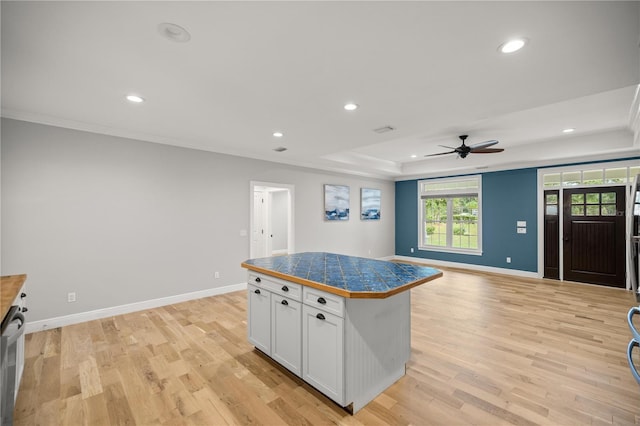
[
  {"x": 413, "y": 156},
  {"x": 174, "y": 32},
  {"x": 512, "y": 45},
  {"x": 135, "y": 98},
  {"x": 569, "y": 130},
  {"x": 278, "y": 134},
  {"x": 350, "y": 106}
]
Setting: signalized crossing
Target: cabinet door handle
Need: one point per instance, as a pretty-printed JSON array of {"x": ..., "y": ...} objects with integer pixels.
[
  {"x": 25, "y": 309},
  {"x": 285, "y": 288},
  {"x": 23, "y": 295},
  {"x": 257, "y": 291},
  {"x": 284, "y": 302},
  {"x": 322, "y": 301},
  {"x": 320, "y": 317},
  {"x": 258, "y": 279}
]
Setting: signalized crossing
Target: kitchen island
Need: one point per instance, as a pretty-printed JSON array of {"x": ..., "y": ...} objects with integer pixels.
[{"x": 341, "y": 323}]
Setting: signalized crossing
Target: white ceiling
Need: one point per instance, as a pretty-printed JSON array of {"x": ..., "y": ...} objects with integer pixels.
[{"x": 429, "y": 69}]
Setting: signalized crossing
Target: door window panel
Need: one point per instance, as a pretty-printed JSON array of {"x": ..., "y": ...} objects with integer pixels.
[
  {"x": 593, "y": 198},
  {"x": 551, "y": 210},
  {"x": 609, "y": 197},
  {"x": 593, "y": 210},
  {"x": 577, "y": 198},
  {"x": 577, "y": 210},
  {"x": 608, "y": 210}
]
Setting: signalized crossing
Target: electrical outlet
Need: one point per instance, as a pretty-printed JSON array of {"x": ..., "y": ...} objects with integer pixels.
[
  {"x": 508, "y": 260},
  {"x": 411, "y": 249},
  {"x": 216, "y": 274},
  {"x": 71, "y": 297}
]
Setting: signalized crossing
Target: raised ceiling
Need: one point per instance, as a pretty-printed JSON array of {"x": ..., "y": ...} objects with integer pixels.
[{"x": 430, "y": 69}]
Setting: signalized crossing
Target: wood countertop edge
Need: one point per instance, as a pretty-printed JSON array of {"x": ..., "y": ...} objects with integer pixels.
[
  {"x": 339, "y": 291},
  {"x": 10, "y": 286}
]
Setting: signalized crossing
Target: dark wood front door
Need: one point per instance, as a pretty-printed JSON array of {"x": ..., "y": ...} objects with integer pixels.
[
  {"x": 552, "y": 234},
  {"x": 594, "y": 240}
]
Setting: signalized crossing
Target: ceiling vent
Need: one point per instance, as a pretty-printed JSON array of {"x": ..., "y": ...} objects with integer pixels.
[
  {"x": 384, "y": 129},
  {"x": 280, "y": 149}
]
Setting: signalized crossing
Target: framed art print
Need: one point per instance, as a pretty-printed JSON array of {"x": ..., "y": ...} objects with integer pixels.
[
  {"x": 336, "y": 202},
  {"x": 370, "y": 203}
]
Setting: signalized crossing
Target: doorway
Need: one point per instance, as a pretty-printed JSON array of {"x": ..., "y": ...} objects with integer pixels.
[
  {"x": 271, "y": 225},
  {"x": 593, "y": 235}
]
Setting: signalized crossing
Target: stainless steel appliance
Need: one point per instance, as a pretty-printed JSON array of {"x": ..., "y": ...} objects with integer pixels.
[{"x": 12, "y": 328}]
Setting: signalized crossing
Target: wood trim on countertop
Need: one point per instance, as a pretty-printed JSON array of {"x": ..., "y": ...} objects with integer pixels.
[
  {"x": 10, "y": 286},
  {"x": 339, "y": 291}
]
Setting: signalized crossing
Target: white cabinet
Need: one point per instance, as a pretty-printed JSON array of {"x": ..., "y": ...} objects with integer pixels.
[
  {"x": 275, "y": 320},
  {"x": 322, "y": 352},
  {"x": 349, "y": 349},
  {"x": 286, "y": 333},
  {"x": 259, "y": 318}
]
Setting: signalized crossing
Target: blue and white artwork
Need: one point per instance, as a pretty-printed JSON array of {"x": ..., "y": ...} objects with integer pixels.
[
  {"x": 370, "y": 204},
  {"x": 336, "y": 202}
]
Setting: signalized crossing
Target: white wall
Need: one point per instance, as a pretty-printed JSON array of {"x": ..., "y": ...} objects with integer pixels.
[{"x": 120, "y": 221}]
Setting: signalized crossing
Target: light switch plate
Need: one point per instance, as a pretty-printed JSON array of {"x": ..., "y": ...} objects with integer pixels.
[
  {"x": 522, "y": 230},
  {"x": 522, "y": 223}
]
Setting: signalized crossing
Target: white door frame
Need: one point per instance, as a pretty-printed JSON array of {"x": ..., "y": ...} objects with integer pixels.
[{"x": 271, "y": 186}]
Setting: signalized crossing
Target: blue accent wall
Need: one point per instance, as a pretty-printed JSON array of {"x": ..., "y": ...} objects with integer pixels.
[{"x": 507, "y": 197}]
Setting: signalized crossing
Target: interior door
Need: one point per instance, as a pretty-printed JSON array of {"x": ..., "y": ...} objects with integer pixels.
[
  {"x": 258, "y": 237},
  {"x": 551, "y": 234},
  {"x": 594, "y": 235}
]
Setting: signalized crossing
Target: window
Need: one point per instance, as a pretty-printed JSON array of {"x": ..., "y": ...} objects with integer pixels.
[
  {"x": 450, "y": 214},
  {"x": 577, "y": 176}
]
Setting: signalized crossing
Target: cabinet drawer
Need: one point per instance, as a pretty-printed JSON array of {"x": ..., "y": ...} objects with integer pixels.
[
  {"x": 327, "y": 302},
  {"x": 277, "y": 286}
]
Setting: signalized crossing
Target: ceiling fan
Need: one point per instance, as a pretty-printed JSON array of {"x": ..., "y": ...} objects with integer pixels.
[{"x": 464, "y": 150}]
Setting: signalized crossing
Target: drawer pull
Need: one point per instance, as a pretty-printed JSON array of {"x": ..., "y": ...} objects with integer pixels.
[
  {"x": 25, "y": 309},
  {"x": 284, "y": 302},
  {"x": 285, "y": 288},
  {"x": 258, "y": 279},
  {"x": 23, "y": 295},
  {"x": 257, "y": 291},
  {"x": 320, "y": 317},
  {"x": 322, "y": 301}
]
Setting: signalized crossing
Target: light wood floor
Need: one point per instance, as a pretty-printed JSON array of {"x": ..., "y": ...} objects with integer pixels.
[{"x": 486, "y": 349}]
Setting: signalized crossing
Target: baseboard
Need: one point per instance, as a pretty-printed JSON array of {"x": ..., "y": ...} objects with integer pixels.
[
  {"x": 504, "y": 271},
  {"x": 46, "y": 324}
]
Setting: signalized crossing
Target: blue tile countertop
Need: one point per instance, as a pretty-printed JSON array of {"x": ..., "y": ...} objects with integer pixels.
[{"x": 347, "y": 276}]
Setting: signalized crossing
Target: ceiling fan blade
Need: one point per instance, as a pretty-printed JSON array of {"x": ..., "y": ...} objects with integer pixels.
[
  {"x": 484, "y": 144},
  {"x": 486, "y": 150},
  {"x": 450, "y": 147},
  {"x": 440, "y": 153}
]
